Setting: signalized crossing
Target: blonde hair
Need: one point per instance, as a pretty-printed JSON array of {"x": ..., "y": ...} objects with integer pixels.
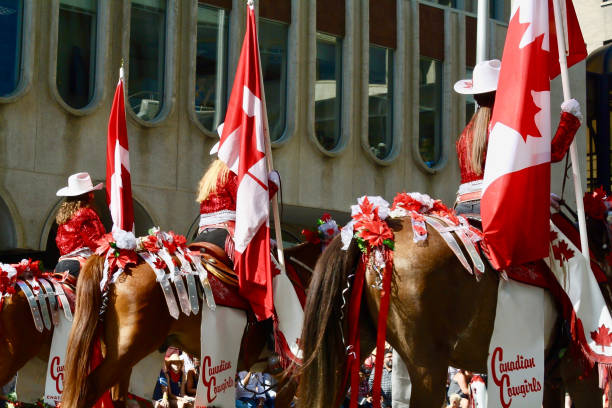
[
  {"x": 70, "y": 206},
  {"x": 480, "y": 130},
  {"x": 217, "y": 171}
]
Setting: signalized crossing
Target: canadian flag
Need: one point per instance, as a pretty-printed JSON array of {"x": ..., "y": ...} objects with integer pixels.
[
  {"x": 516, "y": 186},
  {"x": 118, "y": 182},
  {"x": 242, "y": 148}
]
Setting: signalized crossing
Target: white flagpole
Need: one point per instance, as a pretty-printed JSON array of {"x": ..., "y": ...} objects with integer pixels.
[
  {"x": 560, "y": 28},
  {"x": 275, "y": 211},
  {"x": 481, "y": 30}
]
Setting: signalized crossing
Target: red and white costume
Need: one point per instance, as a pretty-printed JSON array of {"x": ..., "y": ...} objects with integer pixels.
[
  {"x": 81, "y": 231},
  {"x": 470, "y": 188}
]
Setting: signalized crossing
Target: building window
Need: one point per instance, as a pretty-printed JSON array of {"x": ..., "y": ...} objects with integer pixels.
[
  {"x": 470, "y": 102},
  {"x": 147, "y": 58},
  {"x": 328, "y": 90},
  {"x": 11, "y": 34},
  {"x": 380, "y": 101},
  {"x": 499, "y": 10},
  {"x": 273, "y": 39},
  {"x": 76, "y": 51},
  {"x": 211, "y": 65},
  {"x": 430, "y": 111}
]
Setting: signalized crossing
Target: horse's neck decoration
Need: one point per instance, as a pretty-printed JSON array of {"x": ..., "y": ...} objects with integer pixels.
[
  {"x": 327, "y": 229},
  {"x": 168, "y": 256},
  {"x": 44, "y": 294}
]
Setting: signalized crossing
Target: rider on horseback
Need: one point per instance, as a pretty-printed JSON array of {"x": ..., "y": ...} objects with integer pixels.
[
  {"x": 79, "y": 226},
  {"x": 472, "y": 143}
]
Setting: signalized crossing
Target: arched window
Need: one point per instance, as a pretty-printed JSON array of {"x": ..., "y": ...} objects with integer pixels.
[
  {"x": 76, "y": 51},
  {"x": 8, "y": 234},
  {"x": 383, "y": 40},
  {"x": 328, "y": 85},
  {"x": 274, "y": 21},
  {"x": 11, "y": 34},
  {"x": 147, "y": 58},
  {"x": 430, "y": 142},
  {"x": 211, "y": 65}
]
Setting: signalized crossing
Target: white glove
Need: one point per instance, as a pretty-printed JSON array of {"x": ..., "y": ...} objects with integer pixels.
[{"x": 572, "y": 106}]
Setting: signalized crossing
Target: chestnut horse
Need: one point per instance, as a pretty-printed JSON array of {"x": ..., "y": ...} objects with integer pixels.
[
  {"x": 136, "y": 323},
  {"x": 439, "y": 316},
  {"x": 19, "y": 339}
]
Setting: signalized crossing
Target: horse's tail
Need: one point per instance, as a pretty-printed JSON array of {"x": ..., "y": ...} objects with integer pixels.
[
  {"x": 83, "y": 332},
  {"x": 321, "y": 341}
]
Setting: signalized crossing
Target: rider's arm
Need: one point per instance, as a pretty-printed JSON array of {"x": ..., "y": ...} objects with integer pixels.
[{"x": 568, "y": 126}]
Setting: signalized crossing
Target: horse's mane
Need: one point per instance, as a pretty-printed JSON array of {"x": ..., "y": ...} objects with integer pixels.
[{"x": 324, "y": 354}]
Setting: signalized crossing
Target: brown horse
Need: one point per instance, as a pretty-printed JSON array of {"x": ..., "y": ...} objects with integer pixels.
[
  {"x": 136, "y": 323},
  {"x": 19, "y": 339},
  {"x": 439, "y": 316}
]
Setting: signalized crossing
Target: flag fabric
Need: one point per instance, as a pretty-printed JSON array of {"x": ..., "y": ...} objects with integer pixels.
[
  {"x": 118, "y": 182},
  {"x": 242, "y": 148},
  {"x": 516, "y": 186}
]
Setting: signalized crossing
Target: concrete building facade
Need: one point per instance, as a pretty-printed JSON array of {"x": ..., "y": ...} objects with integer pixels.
[{"x": 391, "y": 127}]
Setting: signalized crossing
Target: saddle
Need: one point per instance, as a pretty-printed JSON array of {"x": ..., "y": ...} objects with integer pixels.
[{"x": 223, "y": 280}]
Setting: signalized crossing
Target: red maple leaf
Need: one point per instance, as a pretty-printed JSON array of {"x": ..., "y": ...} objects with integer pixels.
[
  {"x": 525, "y": 70},
  {"x": 159, "y": 263},
  {"x": 553, "y": 236},
  {"x": 405, "y": 201},
  {"x": 602, "y": 337},
  {"x": 562, "y": 252}
]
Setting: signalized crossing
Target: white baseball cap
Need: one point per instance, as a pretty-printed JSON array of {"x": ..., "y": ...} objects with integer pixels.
[
  {"x": 79, "y": 183},
  {"x": 484, "y": 79}
]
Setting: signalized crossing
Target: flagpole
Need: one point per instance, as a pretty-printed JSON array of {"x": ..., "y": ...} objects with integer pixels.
[
  {"x": 584, "y": 243},
  {"x": 274, "y": 203},
  {"x": 481, "y": 30}
]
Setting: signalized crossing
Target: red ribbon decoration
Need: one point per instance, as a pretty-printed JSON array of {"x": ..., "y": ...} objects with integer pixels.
[
  {"x": 381, "y": 336},
  {"x": 353, "y": 360}
]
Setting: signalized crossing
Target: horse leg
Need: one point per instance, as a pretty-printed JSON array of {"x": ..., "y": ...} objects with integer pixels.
[
  {"x": 119, "y": 392},
  {"x": 428, "y": 385}
]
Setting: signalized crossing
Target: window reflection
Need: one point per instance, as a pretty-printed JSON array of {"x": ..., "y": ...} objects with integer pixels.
[
  {"x": 76, "y": 51},
  {"x": 380, "y": 101},
  {"x": 11, "y": 26},
  {"x": 273, "y": 50},
  {"x": 211, "y": 65},
  {"x": 499, "y": 10},
  {"x": 328, "y": 90},
  {"x": 147, "y": 57},
  {"x": 430, "y": 111}
]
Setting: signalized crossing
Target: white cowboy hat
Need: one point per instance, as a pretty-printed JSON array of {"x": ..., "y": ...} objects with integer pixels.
[
  {"x": 484, "y": 79},
  {"x": 78, "y": 184}
]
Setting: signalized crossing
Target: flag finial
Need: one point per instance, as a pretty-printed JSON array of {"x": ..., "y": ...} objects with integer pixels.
[
  {"x": 121, "y": 70},
  {"x": 250, "y": 3}
]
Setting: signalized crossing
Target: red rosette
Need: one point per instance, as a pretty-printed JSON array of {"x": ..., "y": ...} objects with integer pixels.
[
  {"x": 594, "y": 204},
  {"x": 178, "y": 240},
  {"x": 150, "y": 243},
  {"x": 375, "y": 232},
  {"x": 170, "y": 246},
  {"x": 311, "y": 236},
  {"x": 405, "y": 201},
  {"x": 326, "y": 217},
  {"x": 104, "y": 243}
]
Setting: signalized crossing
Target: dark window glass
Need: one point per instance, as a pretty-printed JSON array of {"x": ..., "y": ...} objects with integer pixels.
[
  {"x": 328, "y": 90},
  {"x": 273, "y": 49},
  {"x": 499, "y": 10},
  {"x": 147, "y": 57},
  {"x": 380, "y": 101},
  {"x": 211, "y": 65},
  {"x": 11, "y": 26},
  {"x": 76, "y": 51},
  {"x": 470, "y": 102},
  {"x": 430, "y": 112}
]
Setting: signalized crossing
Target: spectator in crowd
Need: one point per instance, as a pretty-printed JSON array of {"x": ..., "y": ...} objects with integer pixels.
[
  {"x": 459, "y": 384},
  {"x": 169, "y": 389},
  {"x": 250, "y": 391},
  {"x": 454, "y": 401},
  {"x": 386, "y": 379},
  {"x": 269, "y": 383},
  {"x": 191, "y": 382}
]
